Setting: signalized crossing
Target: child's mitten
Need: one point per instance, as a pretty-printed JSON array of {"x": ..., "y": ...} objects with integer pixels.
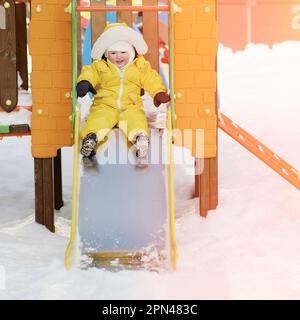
[
  {"x": 161, "y": 97},
  {"x": 83, "y": 87}
]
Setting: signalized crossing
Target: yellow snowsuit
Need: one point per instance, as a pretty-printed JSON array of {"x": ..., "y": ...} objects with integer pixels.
[{"x": 118, "y": 100}]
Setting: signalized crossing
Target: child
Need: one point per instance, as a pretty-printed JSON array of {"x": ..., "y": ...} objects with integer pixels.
[{"x": 116, "y": 77}]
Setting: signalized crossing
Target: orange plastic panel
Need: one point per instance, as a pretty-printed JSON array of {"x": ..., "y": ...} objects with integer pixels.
[
  {"x": 50, "y": 48},
  {"x": 196, "y": 46}
]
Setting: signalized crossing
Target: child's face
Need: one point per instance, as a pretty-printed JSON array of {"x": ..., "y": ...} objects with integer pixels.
[{"x": 118, "y": 58}]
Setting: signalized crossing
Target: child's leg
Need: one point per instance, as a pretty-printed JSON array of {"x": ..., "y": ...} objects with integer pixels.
[
  {"x": 133, "y": 122},
  {"x": 100, "y": 121}
]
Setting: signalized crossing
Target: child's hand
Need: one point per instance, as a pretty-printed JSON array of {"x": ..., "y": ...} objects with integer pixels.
[
  {"x": 83, "y": 87},
  {"x": 161, "y": 97}
]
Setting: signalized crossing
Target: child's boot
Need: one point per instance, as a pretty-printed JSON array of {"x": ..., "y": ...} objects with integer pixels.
[
  {"x": 142, "y": 145},
  {"x": 89, "y": 143},
  {"x": 89, "y": 161}
]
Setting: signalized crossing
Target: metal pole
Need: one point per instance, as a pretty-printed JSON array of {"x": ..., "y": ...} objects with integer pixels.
[
  {"x": 171, "y": 61},
  {"x": 74, "y": 61}
]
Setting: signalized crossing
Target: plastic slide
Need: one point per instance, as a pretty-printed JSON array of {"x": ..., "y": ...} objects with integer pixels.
[{"x": 123, "y": 214}]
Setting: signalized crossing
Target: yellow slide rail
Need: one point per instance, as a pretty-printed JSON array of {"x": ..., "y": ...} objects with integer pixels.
[
  {"x": 171, "y": 125},
  {"x": 174, "y": 252},
  {"x": 70, "y": 248}
]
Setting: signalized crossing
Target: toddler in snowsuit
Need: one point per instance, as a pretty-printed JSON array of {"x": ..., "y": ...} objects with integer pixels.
[{"x": 116, "y": 77}]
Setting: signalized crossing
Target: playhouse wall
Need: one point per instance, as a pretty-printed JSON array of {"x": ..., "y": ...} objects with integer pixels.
[
  {"x": 261, "y": 21},
  {"x": 51, "y": 80},
  {"x": 196, "y": 46}
]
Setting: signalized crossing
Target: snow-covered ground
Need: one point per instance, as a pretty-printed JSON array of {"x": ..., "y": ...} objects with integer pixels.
[{"x": 248, "y": 248}]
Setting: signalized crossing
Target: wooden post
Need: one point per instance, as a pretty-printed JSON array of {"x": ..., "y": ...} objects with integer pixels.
[
  {"x": 125, "y": 16},
  {"x": 8, "y": 66},
  {"x": 213, "y": 183},
  {"x": 151, "y": 34},
  {"x": 39, "y": 195},
  {"x": 21, "y": 35},
  {"x": 48, "y": 194},
  {"x": 206, "y": 185},
  {"x": 197, "y": 177},
  {"x": 98, "y": 20},
  {"x": 44, "y": 209},
  {"x": 204, "y": 189},
  {"x": 58, "y": 195}
]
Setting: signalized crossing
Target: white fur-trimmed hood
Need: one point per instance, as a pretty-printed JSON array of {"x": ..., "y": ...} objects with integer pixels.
[{"x": 118, "y": 32}]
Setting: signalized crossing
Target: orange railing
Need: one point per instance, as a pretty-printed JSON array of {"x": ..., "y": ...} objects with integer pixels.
[
  {"x": 123, "y": 9},
  {"x": 261, "y": 151}
]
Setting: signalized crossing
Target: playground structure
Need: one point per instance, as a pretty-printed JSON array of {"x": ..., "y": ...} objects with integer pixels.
[{"x": 192, "y": 51}]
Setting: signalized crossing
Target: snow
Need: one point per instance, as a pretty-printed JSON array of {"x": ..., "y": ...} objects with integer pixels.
[
  {"x": 23, "y": 115},
  {"x": 20, "y": 117},
  {"x": 246, "y": 249}
]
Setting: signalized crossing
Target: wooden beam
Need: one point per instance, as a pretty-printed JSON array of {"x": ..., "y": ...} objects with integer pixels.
[
  {"x": 213, "y": 183},
  {"x": 44, "y": 209},
  {"x": 125, "y": 16},
  {"x": 39, "y": 195},
  {"x": 21, "y": 44},
  {"x": 8, "y": 64},
  {"x": 98, "y": 20},
  {"x": 206, "y": 185},
  {"x": 48, "y": 193},
  {"x": 151, "y": 34},
  {"x": 58, "y": 192},
  {"x": 197, "y": 177},
  {"x": 204, "y": 189}
]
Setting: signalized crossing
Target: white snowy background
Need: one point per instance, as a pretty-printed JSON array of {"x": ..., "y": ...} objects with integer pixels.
[{"x": 248, "y": 248}]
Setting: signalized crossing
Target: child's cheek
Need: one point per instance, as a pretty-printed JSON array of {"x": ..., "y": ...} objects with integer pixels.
[{"x": 127, "y": 57}]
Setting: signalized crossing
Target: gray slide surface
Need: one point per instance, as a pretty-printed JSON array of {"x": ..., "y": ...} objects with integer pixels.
[{"x": 122, "y": 207}]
